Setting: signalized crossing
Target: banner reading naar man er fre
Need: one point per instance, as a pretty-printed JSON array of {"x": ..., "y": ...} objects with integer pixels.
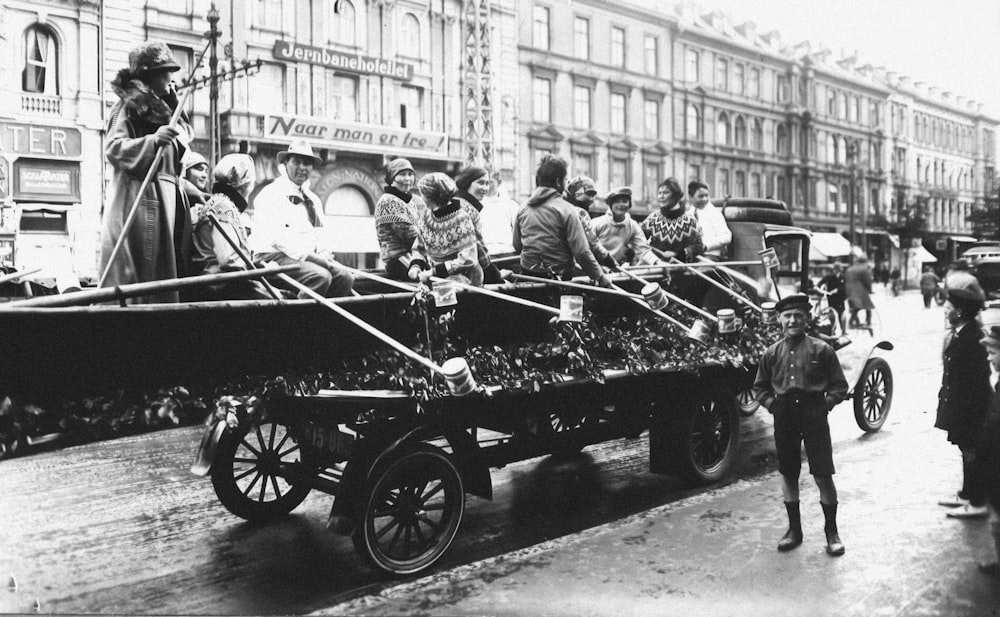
[{"x": 354, "y": 136}]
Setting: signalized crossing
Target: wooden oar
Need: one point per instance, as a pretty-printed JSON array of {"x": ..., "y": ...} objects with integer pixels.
[
  {"x": 499, "y": 296},
  {"x": 724, "y": 288},
  {"x": 105, "y": 294},
  {"x": 152, "y": 171},
  {"x": 458, "y": 383},
  {"x": 13, "y": 276},
  {"x": 674, "y": 297}
]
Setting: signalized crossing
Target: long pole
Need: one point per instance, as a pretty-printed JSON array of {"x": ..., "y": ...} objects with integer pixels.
[
  {"x": 153, "y": 167},
  {"x": 213, "y": 87},
  {"x": 729, "y": 291},
  {"x": 243, "y": 256},
  {"x": 675, "y": 298}
]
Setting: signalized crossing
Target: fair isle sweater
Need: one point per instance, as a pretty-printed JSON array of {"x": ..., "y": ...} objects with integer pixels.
[
  {"x": 451, "y": 237},
  {"x": 673, "y": 232},
  {"x": 394, "y": 224}
]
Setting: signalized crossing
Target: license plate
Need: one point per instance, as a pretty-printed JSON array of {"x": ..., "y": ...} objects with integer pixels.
[{"x": 329, "y": 440}]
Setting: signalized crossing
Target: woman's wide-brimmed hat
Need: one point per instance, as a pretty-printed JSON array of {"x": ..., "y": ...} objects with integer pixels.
[{"x": 299, "y": 148}]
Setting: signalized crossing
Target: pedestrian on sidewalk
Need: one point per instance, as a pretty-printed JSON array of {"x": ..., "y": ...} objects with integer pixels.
[
  {"x": 965, "y": 393},
  {"x": 988, "y": 462},
  {"x": 799, "y": 381},
  {"x": 928, "y": 285}
]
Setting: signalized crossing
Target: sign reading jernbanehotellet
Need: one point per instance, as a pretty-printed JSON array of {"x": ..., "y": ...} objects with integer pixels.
[{"x": 353, "y": 63}]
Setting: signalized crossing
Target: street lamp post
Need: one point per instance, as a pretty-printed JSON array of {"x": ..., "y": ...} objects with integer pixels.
[
  {"x": 852, "y": 154},
  {"x": 213, "y": 86}
]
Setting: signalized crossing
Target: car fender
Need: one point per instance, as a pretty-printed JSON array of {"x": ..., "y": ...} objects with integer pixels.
[{"x": 209, "y": 445}]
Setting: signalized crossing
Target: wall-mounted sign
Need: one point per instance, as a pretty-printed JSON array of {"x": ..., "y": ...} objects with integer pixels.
[
  {"x": 356, "y": 137},
  {"x": 40, "y": 180},
  {"x": 353, "y": 63},
  {"x": 39, "y": 140}
]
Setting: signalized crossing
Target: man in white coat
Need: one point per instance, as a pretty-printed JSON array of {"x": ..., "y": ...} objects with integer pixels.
[{"x": 714, "y": 230}]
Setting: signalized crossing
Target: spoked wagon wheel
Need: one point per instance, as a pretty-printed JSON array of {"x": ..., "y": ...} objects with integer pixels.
[
  {"x": 746, "y": 403},
  {"x": 705, "y": 439},
  {"x": 412, "y": 511},
  {"x": 247, "y": 473},
  {"x": 873, "y": 395}
]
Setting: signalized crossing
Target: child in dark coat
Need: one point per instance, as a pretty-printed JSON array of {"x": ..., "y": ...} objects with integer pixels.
[{"x": 988, "y": 452}]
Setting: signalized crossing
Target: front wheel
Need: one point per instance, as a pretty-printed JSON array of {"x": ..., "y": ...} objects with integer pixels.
[
  {"x": 705, "y": 439},
  {"x": 873, "y": 395},
  {"x": 412, "y": 511},
  {"x": 746, "y": 402},
  {"x": 249, "y": 473}
]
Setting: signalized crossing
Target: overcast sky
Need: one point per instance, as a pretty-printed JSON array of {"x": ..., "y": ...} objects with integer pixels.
[{"x": 952, "y": 44}]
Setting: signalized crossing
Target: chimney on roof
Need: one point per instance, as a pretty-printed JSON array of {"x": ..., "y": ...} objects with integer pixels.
[
  {"x": 773, "y": 38},
  {"x": 749, "y": 29}
]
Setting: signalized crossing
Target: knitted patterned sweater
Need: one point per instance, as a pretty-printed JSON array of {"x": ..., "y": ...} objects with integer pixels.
[
  {"x": 394, "y": 224},
  {"x": 674, "y": 233},
  {"x": 452, "y": 239}
]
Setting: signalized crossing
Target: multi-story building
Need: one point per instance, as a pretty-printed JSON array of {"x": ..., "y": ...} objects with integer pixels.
[
  {"x": 51, "y": 121},
  {"x": 595, "y": 89}
]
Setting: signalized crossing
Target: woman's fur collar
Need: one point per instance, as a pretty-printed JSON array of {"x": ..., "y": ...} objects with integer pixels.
[{"x": 140, "y": 101}]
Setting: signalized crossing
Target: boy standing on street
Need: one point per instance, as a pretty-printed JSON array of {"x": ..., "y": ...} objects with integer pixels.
[{"x": 799, "y": 381}]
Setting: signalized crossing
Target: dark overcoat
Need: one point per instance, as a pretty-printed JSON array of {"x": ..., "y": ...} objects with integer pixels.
[{"x": 965, "y": 392}]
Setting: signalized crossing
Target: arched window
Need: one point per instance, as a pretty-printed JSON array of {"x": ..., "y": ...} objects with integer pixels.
[
  {"x": 740, "y": 133},
  {"x": 757, "y": 136},
  {"x": 841, "y": 149},
  {"x": 409, "y": 36},
  {"x": 345, "y": 30},
  {"x": 722, "y": 135},
  {"x": 41, "y": 61},
  {"x": 693, "y": 122},
  {"x": 782, "y": 139},
  {"x": 845, "y": 197},
  {"x": 831, "y": 149}
]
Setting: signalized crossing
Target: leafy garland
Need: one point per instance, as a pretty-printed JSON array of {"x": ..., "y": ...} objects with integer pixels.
[{"x": 573, "y": 350}]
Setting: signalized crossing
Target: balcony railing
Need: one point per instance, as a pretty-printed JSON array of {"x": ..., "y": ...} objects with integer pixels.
[{"x": 41, "y": 104}]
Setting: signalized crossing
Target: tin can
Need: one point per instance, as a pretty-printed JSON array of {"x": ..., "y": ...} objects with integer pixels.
[
  {"x": 444, "y": 294},
  {"x": 570, "y": 308},
  {"x": 727, "y": 320},
  {"x": 654, "y": 296},
  {"x": 699, "y": 331},
  {"x": 458, "y": 376},
  {"x": 769, "y": 314}
]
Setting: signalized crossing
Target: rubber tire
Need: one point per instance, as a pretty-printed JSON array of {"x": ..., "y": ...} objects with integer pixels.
[
  {"x": 745, "y": 402},
  {"x": 224, "y": 477},
  {"x": 421, "y": 459},
  {"x": 877, "y": 375},
  {"x": 716, "y": 414}
]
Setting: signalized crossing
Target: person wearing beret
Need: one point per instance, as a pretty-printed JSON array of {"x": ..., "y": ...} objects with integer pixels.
[
  {"x": 158, "y": 242},
  {"x": 988, "y": 461},
  {"x": 799, "y": 380},
  {"x": 286, "y": 217},
  {"x": 580, "y": 191},
  {"x": 394, "y": 223},
  {"x": 965, "y": 394}
]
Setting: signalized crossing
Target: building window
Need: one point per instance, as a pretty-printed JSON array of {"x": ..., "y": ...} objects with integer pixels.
[
  {"x": 618, "y": 118},
  {"x": 410, "y": 107},
  {"x": 840, "y": 147},
  {"x": 41, "y": 62},
  {"x": 344, "y": 31},
  {"x": 831, "y": 103},
  {"x": 343, "y": 95},
  {"x": 769, "y": 137},
  {"x": 651, "y": 55},
  {"x": 541, "y": 27},
  {"x": 783, "y": 89},
  {"x": 855, "y": 114},
  {"x": 831, "y": 149},
  {"x": 275, "y": 94},
  {"x": 722, "y": 135},
  {"x": 581, "y": 38},
  {"x": 583, "y": 164},
  {"x": 619, "y": 170},
  {"x": 782, "y": 139},
  {"x": 581, "y": 107},
  {"x": 721, "y": 74},
  {"x": 650, "y": 178},
  {"x": 692, "y": 66},
  {"x": 842, "y": 106},
  {"x": 757, "y": 136},
  {"x": 694, "y": 173},
  {"x": 738, "y": 78},
  {"x": 651, "y": 114},
  {"x": 618, "y": 47},
  {"x": 267, "y": 14},
  {"x": 756, "y": 190},
  {"x": 542, "y": 99},
  {"x": 873, "y": 119},
  {"x": 740, "y": 132},
  {"x": 693, "y": 121},
  {"x": 753, "y": 84},
  {"x": 723, "y": 183},
  {"x": 741, "y": 184},
  {"x": 409, "y": 36},
  {"x": 845, "y": 197}
]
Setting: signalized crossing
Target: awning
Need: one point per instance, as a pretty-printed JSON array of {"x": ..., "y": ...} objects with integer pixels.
[
  {"x": 348, "y": 234},
  {"x": 963, "y": 239},
  {"x": 922, "y": 255},
  {"x": 826, "y": 245}
]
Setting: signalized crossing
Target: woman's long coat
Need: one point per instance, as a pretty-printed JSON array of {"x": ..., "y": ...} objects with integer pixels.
[{"x": 158, "y": 242}]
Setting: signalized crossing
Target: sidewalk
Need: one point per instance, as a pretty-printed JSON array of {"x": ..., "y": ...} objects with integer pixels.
[{"x": 715, "y": 554}]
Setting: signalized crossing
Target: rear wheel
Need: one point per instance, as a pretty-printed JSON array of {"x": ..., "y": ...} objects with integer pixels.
[
  {"x": 705, "y": 439},
  {"x": 873, "y": 395},
  {"x": 412, "y": 511},
  {"x": 249, "y": 473}
]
